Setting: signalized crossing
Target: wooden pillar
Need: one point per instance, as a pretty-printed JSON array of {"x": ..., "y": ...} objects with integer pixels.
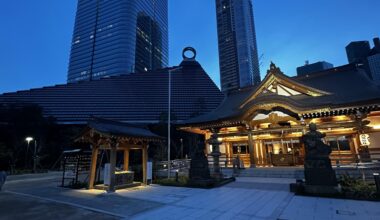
[
  {"x": 126, "y": 158},
  {"x": 94, "y": 158},
  {"x": 228, "y": 153},
  {"x": 145, "y": 163},
  {"x": 251, "y": 149},
  {"x": 111, "y": 187}
]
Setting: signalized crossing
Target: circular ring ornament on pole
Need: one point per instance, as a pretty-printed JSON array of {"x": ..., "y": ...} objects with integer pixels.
[{"x": 191, "y": 49}]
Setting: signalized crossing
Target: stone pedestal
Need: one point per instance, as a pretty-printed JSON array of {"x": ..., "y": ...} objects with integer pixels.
[
  {"x": 320, "y": 177},
  {"x": 321, "y": 190},
  {"x": 318, "y": 171}
]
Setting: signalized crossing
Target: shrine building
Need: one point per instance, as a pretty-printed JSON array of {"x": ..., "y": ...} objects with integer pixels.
[{"x": 263, "y": 125}]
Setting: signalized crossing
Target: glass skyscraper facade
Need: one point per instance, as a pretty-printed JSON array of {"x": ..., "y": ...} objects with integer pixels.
[
  {"x": 113, "y": 37},
  {"x": 238, "y": 56}
]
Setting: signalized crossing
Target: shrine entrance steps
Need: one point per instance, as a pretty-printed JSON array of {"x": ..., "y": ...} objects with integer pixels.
[
  {"x": 362, "y": 172},
  {"x": 273, "y": 172}
]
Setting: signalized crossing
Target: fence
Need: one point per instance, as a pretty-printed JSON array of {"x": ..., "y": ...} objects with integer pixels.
[{"x": 160, "y": 168}]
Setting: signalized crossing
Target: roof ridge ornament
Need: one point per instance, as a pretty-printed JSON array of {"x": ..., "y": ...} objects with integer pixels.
[
  {"x": 191, "y": 49},
  {"x": 274, "y": 69}
]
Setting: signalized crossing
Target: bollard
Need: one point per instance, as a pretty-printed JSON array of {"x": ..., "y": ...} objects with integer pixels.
[
  {"x": 176, "y": 176},
  {"x": 376, "y": 176}
]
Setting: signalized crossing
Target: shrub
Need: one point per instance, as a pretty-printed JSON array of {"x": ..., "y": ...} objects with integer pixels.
[{"x": 357, "y": 188}]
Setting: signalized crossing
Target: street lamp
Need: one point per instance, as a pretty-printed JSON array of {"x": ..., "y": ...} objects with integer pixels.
[
  {"x": 169, "y": 111},
  {"x": 27, "y": 139}
]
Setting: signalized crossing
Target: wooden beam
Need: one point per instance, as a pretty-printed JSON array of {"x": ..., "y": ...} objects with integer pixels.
[
  {"x": 145, "y": 163},
  {"x": 94, "y": 158},
  {"x": 111, "y": 187},
  {"x": 126, "y": 158}
]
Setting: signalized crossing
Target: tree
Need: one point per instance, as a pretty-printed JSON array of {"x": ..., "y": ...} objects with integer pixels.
[{"x": 20, "y": 121}]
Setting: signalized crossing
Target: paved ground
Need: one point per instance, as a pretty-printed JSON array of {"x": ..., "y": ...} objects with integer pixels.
[
  {"x": 46, "y": 187},
  {"x": 24, "y": 207},
  {"x": 38, "y": 197}
]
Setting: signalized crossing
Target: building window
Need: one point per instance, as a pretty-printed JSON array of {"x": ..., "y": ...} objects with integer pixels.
[
  {"x": 341, "y": 143},
  {"x": 240, "y": 149}
]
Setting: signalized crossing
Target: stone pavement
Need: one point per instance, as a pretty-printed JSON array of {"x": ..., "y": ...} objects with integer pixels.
[
  {"x": 14, "y": 206},
  {"x": 45, "y": 187},
  {"x": 247, "y": 198},
  {"x": 315, "y": 208}
]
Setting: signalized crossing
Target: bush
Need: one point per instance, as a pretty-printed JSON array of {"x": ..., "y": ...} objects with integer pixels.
[
  {"x": 182, "y": 181},
  {"x": 358, "y": 189}
]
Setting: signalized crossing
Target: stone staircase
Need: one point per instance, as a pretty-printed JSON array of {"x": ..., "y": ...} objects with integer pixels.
[
  {"x": 298, "y": 172},
  {"x": 273, "y": 172}
]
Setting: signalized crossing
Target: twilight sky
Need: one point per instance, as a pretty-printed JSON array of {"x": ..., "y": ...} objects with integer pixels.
[{"x": 36, "y": 35}]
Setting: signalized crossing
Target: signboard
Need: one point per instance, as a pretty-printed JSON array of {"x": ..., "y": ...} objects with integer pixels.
[
  {"x": 149, "y": 170},
  {"x": 107, "y": 173},
  {"x": 76, "y": 164},
  {"x": 364, "y": 140}
]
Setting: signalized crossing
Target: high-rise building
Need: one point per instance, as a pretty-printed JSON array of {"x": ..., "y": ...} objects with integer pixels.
[
  {"x": 361, "y": 52},
  {"x": 238, "y": 56},
  {"x": 313, "y": 68},
  {"x": 113, "y": 37},
  {"x": 373, "y": 60},
  {"x": 357, "y": 51}
]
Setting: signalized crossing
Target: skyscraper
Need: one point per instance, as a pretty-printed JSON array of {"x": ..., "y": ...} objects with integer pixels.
[
  {"x": 113, "y": 37},
  {"x": 361, "y": 52},
  {"x": 238, "y": 57}
]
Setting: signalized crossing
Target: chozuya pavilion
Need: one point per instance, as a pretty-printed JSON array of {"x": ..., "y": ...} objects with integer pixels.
[{"x": 264, "y": 124}]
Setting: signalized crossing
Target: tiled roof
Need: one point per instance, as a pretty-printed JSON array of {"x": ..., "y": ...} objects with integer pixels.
[
  {"x": 120, "y": 129},
  {"x": 134, "y": 98},
  {"x": 347, "y": 85}
]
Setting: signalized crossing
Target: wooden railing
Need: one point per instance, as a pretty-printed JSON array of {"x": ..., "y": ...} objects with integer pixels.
[
  {"x": 338, "y": 160},
  {"x": 355, "y": 159}
]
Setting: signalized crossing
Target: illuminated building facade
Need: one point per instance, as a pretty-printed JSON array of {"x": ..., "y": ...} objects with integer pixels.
[
  {"x": 263, "y": 125},
  {"x": 113, "y": 37}
]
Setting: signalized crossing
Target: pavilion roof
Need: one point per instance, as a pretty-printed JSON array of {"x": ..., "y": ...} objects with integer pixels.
[
  {"x": 116, "y": 128},
  {"x": 119, "y": 130}
]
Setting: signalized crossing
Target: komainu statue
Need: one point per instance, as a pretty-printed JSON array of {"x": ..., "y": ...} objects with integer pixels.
[
  {"x": 318, "y": 169},
  {"x": 199, "y": 164}
]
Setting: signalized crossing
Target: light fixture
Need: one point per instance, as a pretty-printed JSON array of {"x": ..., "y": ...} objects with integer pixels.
[{"x": 29, "y": 139}]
